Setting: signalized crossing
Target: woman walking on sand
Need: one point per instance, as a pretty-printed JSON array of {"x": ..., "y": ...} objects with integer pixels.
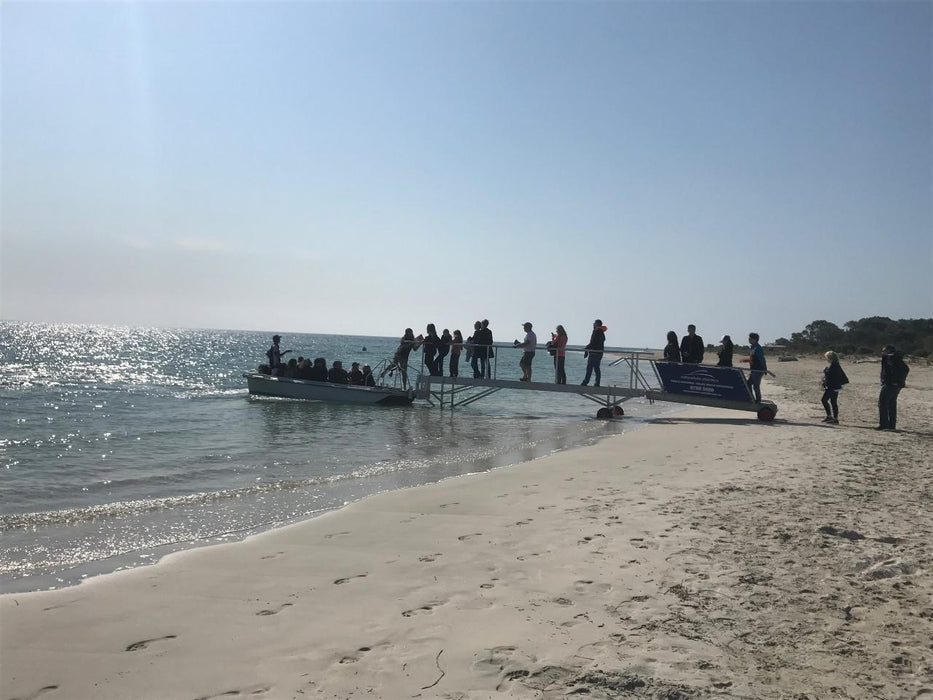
[{"x": 834, "y": 378}]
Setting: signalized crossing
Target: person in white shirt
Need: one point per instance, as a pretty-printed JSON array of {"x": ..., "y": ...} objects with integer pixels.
[{"x": 529, "y": 344}]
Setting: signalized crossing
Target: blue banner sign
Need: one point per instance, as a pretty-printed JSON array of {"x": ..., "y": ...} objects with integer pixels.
[{"x": 727, "y": 383}]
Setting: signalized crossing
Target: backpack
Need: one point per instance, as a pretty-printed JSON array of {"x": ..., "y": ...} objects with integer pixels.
[{"x": 900, "y": 370}]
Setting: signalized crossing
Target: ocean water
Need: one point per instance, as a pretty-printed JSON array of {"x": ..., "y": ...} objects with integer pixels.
[{"x": 119, "y": 445}]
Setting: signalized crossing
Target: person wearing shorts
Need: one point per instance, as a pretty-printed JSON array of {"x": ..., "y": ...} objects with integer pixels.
[{"x": 529, "y": 344}]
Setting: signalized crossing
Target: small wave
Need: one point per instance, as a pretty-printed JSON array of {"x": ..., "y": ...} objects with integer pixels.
[{"x": 135, "y": 507}]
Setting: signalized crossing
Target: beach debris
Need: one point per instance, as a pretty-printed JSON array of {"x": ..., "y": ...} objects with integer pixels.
[{"x": 437, "y": 662}]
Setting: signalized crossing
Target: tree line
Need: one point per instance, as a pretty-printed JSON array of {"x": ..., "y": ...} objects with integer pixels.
[{"x": 912, "y": 336}]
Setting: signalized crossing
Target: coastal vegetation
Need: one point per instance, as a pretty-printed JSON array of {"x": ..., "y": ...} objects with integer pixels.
[{"x": 864, "y": 337}]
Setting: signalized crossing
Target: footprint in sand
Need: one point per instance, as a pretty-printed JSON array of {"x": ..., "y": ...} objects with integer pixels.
[
  {"x": 423, "y": 610},
  {"x": 136, "y": 646},
  {"x": 589, "y": 538},
  {"x": 272, "y": 556},
  {"x": 526, "y": 521},
  {"x": 332, "y": 535},
  {"x": 464, "y": 538},
  {"x": 445, "y": 505},
  {"x": 505, "y": 660},
  {"x": 241, "y": 693},
  {"x": 585, "y": 585},
  {"x": 274, "y": 611},
  {"x": 430, "y": 557},
  {"x": 355, "y": 656},
  {"x": 341, "y": 581}
]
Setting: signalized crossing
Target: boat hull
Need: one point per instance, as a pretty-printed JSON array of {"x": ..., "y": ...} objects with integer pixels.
[{"x": 286, "y": 388}]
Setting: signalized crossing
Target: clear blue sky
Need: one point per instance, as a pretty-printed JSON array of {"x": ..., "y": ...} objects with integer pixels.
[{"x": 363, "y": 167}]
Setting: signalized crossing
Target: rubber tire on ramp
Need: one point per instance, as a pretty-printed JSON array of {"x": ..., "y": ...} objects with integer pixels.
[
  {"x": 617, "y": 411},
  {"x": 766, "y": 414},
  {"x": 604, "y": 413}
]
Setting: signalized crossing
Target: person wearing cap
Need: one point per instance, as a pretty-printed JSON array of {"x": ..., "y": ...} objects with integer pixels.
[
  {"x": 691, "y": 347},
  {"x": 594, "y": 353},
  {"x": 528, "y": 344},
  {"x": 893, "y": 378},
  {"x": 275, "y": 355},
  {"x": 757, "y": 367},
  {"x": 725, "y": 352}
]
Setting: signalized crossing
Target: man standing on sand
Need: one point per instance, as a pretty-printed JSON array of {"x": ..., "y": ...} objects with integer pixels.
[
  {"x": 528, "y": 344},
  {"x": 691, "y": 347},
  {"x": 757, "y": 367},
  {"x": 893, "y": 378},
  {"x": 594, "y": 352}
]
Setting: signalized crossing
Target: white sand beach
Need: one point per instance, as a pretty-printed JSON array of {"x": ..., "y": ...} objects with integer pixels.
[{"x": 706, "y": 555}]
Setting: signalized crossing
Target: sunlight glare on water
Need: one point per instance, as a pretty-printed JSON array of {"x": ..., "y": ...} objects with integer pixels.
[{"x": 120, "y": 444}]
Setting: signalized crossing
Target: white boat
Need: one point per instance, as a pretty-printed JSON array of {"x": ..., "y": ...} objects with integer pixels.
[{"x": 286, "y": 388}]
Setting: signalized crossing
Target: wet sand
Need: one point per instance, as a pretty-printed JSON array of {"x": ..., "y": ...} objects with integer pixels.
[{"x": 706, "y": 555}]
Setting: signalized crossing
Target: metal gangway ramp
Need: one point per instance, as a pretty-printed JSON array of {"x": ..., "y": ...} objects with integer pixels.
[{"x": 699, "y": 385}]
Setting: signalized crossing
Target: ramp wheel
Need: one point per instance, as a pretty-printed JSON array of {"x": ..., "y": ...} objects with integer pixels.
[
  {"x": 604, "y": 413},
  {"x": 766, "y": 414},
  {"x": 617, "y": 411}
]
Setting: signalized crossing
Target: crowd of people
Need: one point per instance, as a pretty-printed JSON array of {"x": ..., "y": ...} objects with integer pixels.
[
  {"x": 478, "y": 349},
  {"x": 316, "y": 370}
]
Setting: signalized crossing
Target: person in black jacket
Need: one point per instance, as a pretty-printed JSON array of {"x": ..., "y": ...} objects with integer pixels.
[
  {"x": 691, "y": 347},
  {"x": 318, "y": 370},
  {"x": 337, "y": 374},
  {"x": 893, "y": 378},
  {"x": 594, "y": 353},
  {"x": 725, "y": 352},
  {"x": 671, "y": 350},
  {"x": 442, "y": 349},
  {"x": 431, "y": 347},
  {"x": 834, "y": 378},
  {"x": 482, "y": 350}
]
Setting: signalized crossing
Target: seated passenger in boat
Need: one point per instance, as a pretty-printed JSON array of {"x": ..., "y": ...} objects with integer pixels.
[
  {"x": 291, "y": 369},
  {"x": 304, "y": 369},
  {"x": 318, "y": 370},
  {"x": 337, "y": 374},
  {"x": 368, "y": 378},
  {"x": 356, "y": 375}
]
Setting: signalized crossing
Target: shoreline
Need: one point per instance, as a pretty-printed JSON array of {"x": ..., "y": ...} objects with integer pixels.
[
  {"x": 706, "y": 554},
  {"x": 79, "y": 574}
]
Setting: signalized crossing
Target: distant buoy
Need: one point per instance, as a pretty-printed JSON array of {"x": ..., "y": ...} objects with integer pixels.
[{"x": 364, "y": 349}]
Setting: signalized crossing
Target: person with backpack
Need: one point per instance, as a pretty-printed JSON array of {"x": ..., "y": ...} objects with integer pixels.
[
  {"x": 834, "y": 378},
  {"x": 893, "y": 378}
]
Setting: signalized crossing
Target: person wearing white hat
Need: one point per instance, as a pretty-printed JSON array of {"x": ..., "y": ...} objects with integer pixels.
[{"x": 725, "y": 352}]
